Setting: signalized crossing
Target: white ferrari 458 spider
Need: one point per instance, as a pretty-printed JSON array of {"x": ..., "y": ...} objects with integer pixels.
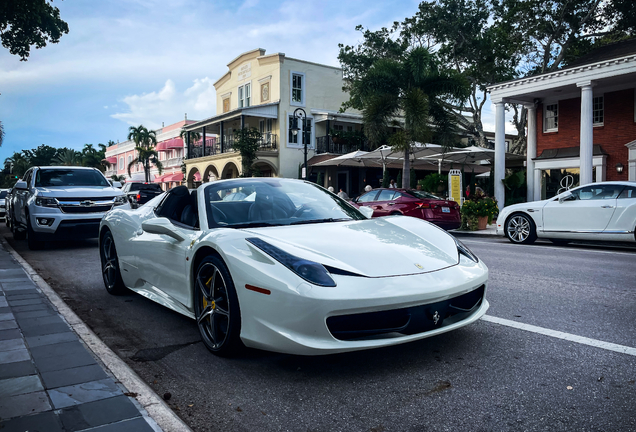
[{"x": 284, "y": 265}]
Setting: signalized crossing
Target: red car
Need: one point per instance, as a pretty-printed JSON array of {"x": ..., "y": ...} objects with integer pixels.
[{"x": 407, "y": 202}]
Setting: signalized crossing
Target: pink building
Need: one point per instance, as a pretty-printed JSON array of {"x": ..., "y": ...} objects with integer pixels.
[{"x": 170, "y": 148}]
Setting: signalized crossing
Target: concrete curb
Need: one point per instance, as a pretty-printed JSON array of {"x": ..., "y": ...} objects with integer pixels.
[{"x": 157, "y": 409}]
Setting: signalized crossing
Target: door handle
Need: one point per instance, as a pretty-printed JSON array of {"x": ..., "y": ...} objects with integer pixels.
[
  {"x": 391, "y": 203},
  {"x": 607, "y": 206}
]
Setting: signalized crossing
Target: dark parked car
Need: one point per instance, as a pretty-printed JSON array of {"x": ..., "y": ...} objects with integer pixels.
[
  {"x": 139, "y": 193},
  {"x": 415, "y": 203}
]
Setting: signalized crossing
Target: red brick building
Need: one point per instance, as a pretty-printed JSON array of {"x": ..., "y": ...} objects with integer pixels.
[{"x": 581, "y": 121}]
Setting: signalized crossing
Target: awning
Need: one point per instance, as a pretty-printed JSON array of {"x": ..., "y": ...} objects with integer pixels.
[
  {"x": 167, "y": 178},
  {"x": 111, "y": 160},
  {"x": 174, "y": 143}
]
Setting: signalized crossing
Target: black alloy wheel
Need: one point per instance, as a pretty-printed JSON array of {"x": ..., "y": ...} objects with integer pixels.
[
  {"x": 32, "y": 242},
  {"x": 520, "y": 229},
  {"x": 216, "y": 307},
  {"x": 110, "y": 265}
]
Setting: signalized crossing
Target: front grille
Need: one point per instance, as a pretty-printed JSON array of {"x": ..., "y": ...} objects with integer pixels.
[
  {"x": 89, "y": 209},
  {"x": 406, "y": 321}
]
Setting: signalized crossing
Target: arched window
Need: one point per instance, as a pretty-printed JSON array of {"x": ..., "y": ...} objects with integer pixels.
[{"x": 121, "y": 163}]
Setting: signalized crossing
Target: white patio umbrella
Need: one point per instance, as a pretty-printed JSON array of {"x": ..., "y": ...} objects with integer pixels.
[{"x": 353, "y": 159}]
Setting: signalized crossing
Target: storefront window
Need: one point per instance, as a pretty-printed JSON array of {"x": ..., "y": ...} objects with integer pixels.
[{"x": 555, "y": 181}]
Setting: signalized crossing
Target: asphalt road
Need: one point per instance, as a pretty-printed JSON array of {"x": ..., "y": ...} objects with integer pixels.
[{"x": 484, "y": 377}]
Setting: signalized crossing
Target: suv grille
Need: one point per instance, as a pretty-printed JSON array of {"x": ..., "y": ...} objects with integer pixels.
[{"x": 85, "y": 205}]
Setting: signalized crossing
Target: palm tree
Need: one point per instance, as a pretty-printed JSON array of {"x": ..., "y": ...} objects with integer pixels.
[
  {"x": 404, "y": 101},
  {"x": 118, "y": 178},
  {"x": 17, "y": 164},
  {"x": 1, "y": 134},
  {"x": 145, "y": 142},
  {"x": 67, "y": 157},
  {"x": 194, "y": 136}
]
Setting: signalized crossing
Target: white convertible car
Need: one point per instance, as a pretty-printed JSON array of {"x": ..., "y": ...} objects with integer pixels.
[
  {"x": 287, "y": 266},
  {"x": 600, "y": 211}
]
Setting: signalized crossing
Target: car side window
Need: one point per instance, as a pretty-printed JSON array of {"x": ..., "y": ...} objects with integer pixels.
[
  {"x": 594, "y": 192},
  {"x": 628, "y": 192},
  {"x": 27, "y": 178},
  {"x": 367, "y": 197},
  {"x": 386, "y": 195},
  {"x": 397, "y": 195}
]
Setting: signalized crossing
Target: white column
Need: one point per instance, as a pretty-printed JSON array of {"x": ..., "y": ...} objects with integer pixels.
[
  {"x": 587, "y": 132},
  {"x": 537, "y": 185},
  {"x": 531, "y": 151},
  {"x": 500, "y": 152}
]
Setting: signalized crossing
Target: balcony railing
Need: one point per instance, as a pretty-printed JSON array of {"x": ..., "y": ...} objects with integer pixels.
[
  {"x": 173, "y": 162},
  {"x": 325, "y": 144},
  {"x": 268, "y": 141}
]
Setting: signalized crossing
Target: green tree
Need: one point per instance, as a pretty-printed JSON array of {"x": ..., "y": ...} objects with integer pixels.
[
  {"x": 247, "y": 141},
  {"x": 92, "y": 157},
  {"x": 67, "y": 157},
  {"x": 386, "y": 179},
  {"x": 17, "y": 164},
  {"x": 145, "y": 142},
  {"x": 40, "y": 156},
  {"x": 118, "y": 178},
  {"x": 194, "y": 136},
  {"x": 27, "y": 23},
  {"x": 404, "y": 99}
]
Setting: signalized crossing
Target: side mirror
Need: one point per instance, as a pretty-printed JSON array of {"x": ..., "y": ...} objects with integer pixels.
[
  {"x": 161, "y": 225},
  {"x": 565, "y": 197},
  {"x": 366, "y": 211},
  {"x": 20, "y": 184}
]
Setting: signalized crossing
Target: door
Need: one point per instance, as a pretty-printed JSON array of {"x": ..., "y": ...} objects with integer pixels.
[
  {"x": 384, "y": 204},
  {"x": 624, "y": 218},
  {"x": 343, "y": 181},
  {"x": 21, "y": 198},
  {"x": 588, "y": 210}
]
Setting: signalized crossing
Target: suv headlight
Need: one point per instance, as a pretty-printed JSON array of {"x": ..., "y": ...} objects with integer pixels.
[
  {"x": 311, "y": 271},
  {"x": 120, "y": 200},
  {"x": 463, "y": 250},
  {"x": 46, "y": 202}
]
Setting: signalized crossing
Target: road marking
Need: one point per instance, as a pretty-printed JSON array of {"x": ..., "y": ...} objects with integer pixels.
[
  {"x": 561, "y": 335},
  {"x": 553, "y": 247}
]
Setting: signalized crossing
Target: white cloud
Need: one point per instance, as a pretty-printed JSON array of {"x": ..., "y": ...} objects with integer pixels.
[{"x": 169, "y": 105}]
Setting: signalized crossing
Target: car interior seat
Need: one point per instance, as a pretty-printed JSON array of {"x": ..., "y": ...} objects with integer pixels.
[
  {"x": 264, "y": 208},
  {"x": 190, "y": 214}
]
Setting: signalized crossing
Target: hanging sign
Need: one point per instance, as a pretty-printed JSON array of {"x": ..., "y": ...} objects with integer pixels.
[{"x": 455, "y": 185}]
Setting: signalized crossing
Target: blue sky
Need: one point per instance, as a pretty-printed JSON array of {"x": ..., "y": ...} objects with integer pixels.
[{"x": 131, "y": 62}]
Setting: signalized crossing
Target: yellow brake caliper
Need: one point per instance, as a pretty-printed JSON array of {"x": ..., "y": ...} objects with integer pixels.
[{"x": 205, "y": 302}]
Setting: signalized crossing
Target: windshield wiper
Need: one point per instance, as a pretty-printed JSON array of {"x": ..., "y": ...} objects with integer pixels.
[
  {"x": 253, "y": 225},
  {"x": 311, "y": 221}
]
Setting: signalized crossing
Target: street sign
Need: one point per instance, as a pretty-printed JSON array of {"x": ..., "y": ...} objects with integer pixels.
[{"x": 455, "y": 185}]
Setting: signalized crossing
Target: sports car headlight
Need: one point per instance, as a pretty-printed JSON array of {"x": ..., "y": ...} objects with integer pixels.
[
  {"x": 120, "y": 200},
  {"x": 46, "y": 202},
  {"x": 310, "y": 271},
  {"x": 463, "y": 250}
]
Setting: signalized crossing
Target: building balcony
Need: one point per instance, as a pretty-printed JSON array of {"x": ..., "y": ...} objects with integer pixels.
[
  {"x": 268, "y": 141},
  {"x": 326, "y": 144}
]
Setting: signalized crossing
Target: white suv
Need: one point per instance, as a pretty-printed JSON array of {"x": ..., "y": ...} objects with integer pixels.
[{"x": 61, "y": 203}]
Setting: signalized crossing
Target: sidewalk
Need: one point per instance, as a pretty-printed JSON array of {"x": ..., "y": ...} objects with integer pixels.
[
  {"x": 49, "y": 380},
  {"x": 491, "y": 230}
]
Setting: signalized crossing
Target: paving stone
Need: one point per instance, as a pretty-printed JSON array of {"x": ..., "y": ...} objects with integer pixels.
[
  {"x": 26, "y": 323},
  {"x": 98, "y": 413},
  {"x": 49, "y": 364},
  {"x": 25, "y": 404},
  {"x": 25, "y": 302},
  {"x": 6, "y": 273},
  {"x": 18, "y": 286},
  {"x": 78, "y": 375},
  {"x": 42, "y": 422},
  {"x": 6, "y": 316},
  {"x": 17, "y": 369},
  {"x": 64, "y": 397},
  {"x": 36, "y": 341},
  {"x": 10, "y": 334},
  {"x": 5, "y": 308},
  {"x": 34, "y": 295},
  {"x": 135, "y": 425},
  {"x": 14, "y": 356},
  {"x": 45, "y": 329},
  {"x": 56, "y": 350},
  {"x": 5, "y": 325},
  {"x": 42, "y": 311},
  {"x": 12, "y": 344},
  {"x": 20, "y": 385},
  {"x": 3, "y": 302},
  {"x": 15, "y": 293}
]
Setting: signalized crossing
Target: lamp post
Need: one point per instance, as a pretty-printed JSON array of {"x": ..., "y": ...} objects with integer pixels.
[{"x": 300, "y": 114}]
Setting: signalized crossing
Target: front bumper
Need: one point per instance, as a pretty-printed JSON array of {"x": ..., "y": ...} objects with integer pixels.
[
  {"x": 299, "y": 319},
  {"x": 64, "y": 226}
]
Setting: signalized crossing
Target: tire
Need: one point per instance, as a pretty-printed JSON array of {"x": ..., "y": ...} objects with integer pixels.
[
  {"x": 520, "y": 229},
  {"x": 32, "y": 241},
  {"x": 396, "y": 213},
  {"x": 216, "y": 308},
  {"x": 111, "y": 274},
  {"x": 560, "y": 242}
]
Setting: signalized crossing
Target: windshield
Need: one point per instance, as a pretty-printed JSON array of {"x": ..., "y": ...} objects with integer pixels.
[
  {"x": 69, "y": 177},
  {"x": 423, "y": 195},
  {"x": 145, "y": 186},
  {"x": 245, "y": 203}
]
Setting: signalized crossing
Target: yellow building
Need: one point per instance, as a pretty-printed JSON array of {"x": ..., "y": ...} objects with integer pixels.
[{"x": 263, "y": 91}]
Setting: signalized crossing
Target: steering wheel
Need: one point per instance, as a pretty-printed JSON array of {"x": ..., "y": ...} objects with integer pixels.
[
  {"x": 303, "y": 209},
  {"x": 218, "y": 215}
]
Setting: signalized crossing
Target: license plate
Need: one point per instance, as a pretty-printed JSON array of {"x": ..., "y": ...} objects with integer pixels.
[{"x": 445, "y": 209}]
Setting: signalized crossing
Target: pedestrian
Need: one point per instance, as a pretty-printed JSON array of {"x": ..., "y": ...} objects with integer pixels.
[
  {"x": 342, "y": 194},
  {"x": 392, "y": 184},
  {"x": 330, "y": 189},
  {"x": 368, "y": 188}
]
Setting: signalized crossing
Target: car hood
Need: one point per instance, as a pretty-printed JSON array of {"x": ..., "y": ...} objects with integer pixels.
[
  {"x": 381, "y": 247},
  {"x": 79, "y": 192}
]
